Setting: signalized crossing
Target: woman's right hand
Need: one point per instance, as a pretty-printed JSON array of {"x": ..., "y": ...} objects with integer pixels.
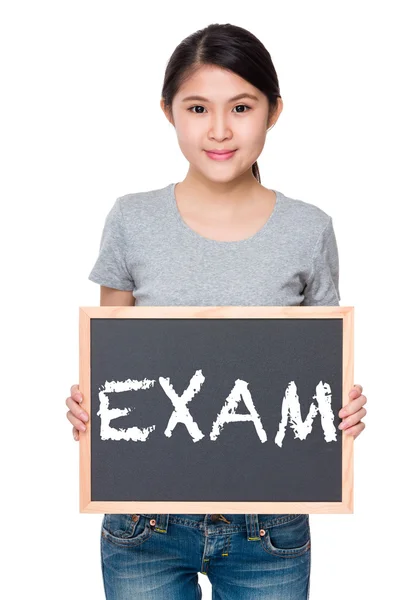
[{"x": 76, "y": 415}]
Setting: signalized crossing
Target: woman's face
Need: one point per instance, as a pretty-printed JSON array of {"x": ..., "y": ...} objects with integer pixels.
[{"x": 219, "y": 121}]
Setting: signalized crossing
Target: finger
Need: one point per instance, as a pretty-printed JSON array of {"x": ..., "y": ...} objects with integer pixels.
[
  {"x": 355, "y": 430},
  {"x": 356, "y": 390},
  {"x": 74, "y": 389},
  {"x": 353, "y": 419},
  {"x": 75, "y": 393},
  {"x": 76, "y": 422},
  {"x": 353, "y": 406},
  {"x": 76, "y": 410},
  {"x": 75, "y": 434}
]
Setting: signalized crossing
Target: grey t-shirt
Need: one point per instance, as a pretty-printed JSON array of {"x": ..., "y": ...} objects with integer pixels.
[{"x": 148, "y": 249}]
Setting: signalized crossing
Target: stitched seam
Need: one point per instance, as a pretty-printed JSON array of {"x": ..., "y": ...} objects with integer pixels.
[
  {"x": 233, "y": 528},
  {"x": 287, "y": 554},
  {"x": 124, "y": 237},
  {"x": 126, "y": 542},
  {"x": 314, "y": 252},
  {"x": 333, "y": 284},
  {"x": 274, "y": 523}
]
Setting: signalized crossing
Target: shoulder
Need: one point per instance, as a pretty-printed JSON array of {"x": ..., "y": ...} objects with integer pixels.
[
  {"x": 306, "y": 218},
  {"x": 144, "y": 202},
  {"x": 301, "y": 209}
]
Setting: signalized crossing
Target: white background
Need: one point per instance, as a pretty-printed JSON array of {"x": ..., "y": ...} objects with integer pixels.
[{"x": 80, "y": 125}]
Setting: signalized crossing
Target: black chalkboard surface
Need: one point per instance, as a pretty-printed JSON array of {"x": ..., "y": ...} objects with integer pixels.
[{"x": 194, "y": 409}]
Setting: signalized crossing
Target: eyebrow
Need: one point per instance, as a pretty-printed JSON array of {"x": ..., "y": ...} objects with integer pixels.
[{"x": 238, "y": 97}]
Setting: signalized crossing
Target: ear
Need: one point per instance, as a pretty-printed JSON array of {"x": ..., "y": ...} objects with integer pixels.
[
  {"x": 166, "y": 111},
  {"x": 276, "y": 114}
]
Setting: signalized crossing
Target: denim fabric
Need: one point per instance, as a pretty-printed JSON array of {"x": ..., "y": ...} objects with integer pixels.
[{"x": 250, "y": 557}]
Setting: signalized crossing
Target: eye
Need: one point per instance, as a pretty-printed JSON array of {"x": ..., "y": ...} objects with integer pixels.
[
  {"x": 245, "y": 106},
  {"x": 199, "y": 106},
  {"x": 192, "y": 107}
]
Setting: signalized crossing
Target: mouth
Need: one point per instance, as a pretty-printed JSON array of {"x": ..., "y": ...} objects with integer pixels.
[{"x": 220, "y": 154}]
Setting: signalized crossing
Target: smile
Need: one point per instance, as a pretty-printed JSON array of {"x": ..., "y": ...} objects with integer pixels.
[{"x": 223, "y": 156}]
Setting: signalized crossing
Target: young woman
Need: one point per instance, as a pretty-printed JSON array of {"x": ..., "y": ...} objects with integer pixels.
[{"x": 216, "y": 238}]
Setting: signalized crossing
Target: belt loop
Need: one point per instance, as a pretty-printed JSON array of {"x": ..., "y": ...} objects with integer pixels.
[
  {"x": 253, "y": 528},
  {"x": 161, "y": 524}
]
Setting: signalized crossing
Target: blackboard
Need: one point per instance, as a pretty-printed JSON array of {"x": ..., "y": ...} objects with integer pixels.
[{"x": 197, "y": 408}]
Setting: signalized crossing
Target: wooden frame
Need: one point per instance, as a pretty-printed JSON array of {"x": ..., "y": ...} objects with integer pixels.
[{"x": 346, "y": 313}]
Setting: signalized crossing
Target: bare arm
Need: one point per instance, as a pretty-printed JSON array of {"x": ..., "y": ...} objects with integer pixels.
[{"x": 111, "y": 297}]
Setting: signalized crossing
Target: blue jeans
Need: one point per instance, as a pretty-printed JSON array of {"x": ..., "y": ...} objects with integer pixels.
[{"x": 245, "y": 557}]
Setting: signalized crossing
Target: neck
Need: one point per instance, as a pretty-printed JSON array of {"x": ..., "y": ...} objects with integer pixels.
[{"x": 226, "y": 194}]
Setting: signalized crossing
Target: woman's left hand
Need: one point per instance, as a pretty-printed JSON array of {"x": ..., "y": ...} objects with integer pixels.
[{"x": 353, "y": 412}]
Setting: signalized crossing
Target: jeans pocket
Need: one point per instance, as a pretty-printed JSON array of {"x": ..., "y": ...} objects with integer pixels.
[
  {"x": 126, "y": 530},
  {"x": 289, "y": 539}
]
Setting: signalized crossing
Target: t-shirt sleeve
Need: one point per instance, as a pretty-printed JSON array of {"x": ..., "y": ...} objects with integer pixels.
[
  {"x": 322, "y": 285},
  {"x": 110, "y": 268}
]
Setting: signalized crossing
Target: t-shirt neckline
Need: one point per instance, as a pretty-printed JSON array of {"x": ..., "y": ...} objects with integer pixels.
[{"x": 192, "y": 233}]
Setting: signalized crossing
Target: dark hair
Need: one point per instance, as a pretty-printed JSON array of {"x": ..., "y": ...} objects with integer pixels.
[{"x": 229, "y": 47}]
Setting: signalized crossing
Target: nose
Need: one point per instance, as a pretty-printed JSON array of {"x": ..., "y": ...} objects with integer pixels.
[{"x": 220, "y": 129}]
